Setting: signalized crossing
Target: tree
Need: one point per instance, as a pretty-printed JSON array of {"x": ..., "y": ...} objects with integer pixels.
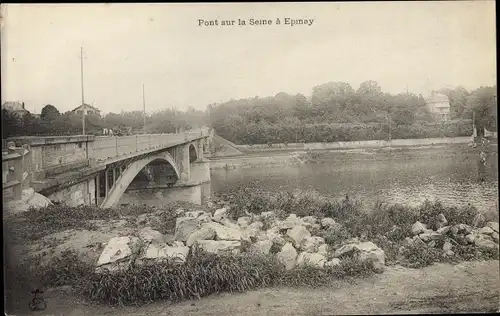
[
  {"x": 49, "y": 113},
  {"x": 483, "y": 103}
]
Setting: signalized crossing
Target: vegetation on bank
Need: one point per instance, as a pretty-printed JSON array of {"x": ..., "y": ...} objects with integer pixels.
[
  {"x": 203, "y": 274},
  {"x": 335, "y": 111}
]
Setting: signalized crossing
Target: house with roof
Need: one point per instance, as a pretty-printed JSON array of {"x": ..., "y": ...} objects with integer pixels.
[
  {"x": 16, "y": 107},
  {"x": 87, "y": 108},
  {"x": 439, "y": 105}
]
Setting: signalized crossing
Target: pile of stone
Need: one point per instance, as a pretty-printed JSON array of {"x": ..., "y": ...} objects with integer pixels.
[
  {"x": 292, "y": 240},
  {"x": 484, "y": 237}
]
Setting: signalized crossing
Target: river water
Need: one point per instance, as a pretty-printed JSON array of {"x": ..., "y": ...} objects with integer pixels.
[{"x": 406, "y": 176}]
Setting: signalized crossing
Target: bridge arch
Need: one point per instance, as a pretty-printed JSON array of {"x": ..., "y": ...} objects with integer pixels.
[
  {"x": 129, "y": 174},
  {"x": 193, "y": 153}
]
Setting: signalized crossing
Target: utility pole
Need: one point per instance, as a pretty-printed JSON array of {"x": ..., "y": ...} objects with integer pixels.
[
  {"x": 83, "y": 98},
  {"x": 144, "y": 109}
]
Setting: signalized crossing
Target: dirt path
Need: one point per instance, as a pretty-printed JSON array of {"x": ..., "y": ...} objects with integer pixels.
[{"x": 441, "y": 288}]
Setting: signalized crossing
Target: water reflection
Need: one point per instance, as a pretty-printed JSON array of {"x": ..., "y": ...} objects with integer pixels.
[{"x": 406, "y": 177}]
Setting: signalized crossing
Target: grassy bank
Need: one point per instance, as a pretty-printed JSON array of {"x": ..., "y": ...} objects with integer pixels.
[{"x": 388, "y": 226}]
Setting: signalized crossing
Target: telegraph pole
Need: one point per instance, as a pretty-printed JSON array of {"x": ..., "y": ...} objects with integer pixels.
[
  {"x": 144, "y": 109},
  {"x": 83, "y": 99}
]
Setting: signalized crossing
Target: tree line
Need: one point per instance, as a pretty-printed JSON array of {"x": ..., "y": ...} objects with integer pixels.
[{"x": 335, "y": 111}]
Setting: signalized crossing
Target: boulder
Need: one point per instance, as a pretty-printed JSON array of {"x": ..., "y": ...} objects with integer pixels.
[
  {"x": 204, "y": 233},
  {"x": 366, "y": 251},
  {"x": 149, "y": 235},
  {"x": 244, "y": 221},
  {"x": 184, "y": 226},
  {"x": 454, "y": 230},
  {"x": 314, "y": 259},
  {"x": 298, "y": 234},
  {"x": 228, "y": 223},
  {"x": 180, "y": 212},
  {"x": 482, "y": 242},
  {"x": 486, "y": 230},
  {"x": 193, "y": 214},
  {"x": 178, "y": 252},
  {"x": 220, "y": 214},
  {"x": 417, "y": 228},
  {"x": 252, "y": 231},
  {"x": 443, "y": 230},
  {"x": 223, "y": 232},
  {"x": 119, "y": 249},
  {"x": 332, "y": 263},
  {"x": 447, "y": 246},
  {"x": 323, "y": 250},
  {"x": 493, "y": 226},
  {"x": 478, "y": 220},
  {"x": 288, "y": 256},
  {"x": 261, "y": 247},
  {"x": 267, "y": 216},
  {"x": 441, "y": 220},
  {"x": 276, "y": 238},
  {"x": 494, "y": 236},
  {"x": 310, "y": 220},
  {"x": 327, "y": 222},
  {"x": 428, "y": 236},
  {"x": 470, "y": 238},
  {"x": 311, "y": 244},
  {"x": 220, "y": 246}
]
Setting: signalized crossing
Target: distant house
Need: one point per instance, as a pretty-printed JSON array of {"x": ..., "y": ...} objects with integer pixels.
[
  {"x": 15, "y": 107},
  {"x": 439, "y": 105},
  {"x": 88, "y": 109}
]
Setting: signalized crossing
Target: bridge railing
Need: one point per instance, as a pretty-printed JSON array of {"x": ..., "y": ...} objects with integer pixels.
[
  {"x": 16, "y": 168},
  {"x": 105, "y": 147}
]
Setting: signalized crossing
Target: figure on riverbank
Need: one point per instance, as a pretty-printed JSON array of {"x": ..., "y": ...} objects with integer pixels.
[{"x": 482, "y": 165}]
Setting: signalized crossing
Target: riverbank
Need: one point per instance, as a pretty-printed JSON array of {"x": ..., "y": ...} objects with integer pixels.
[
  {"x": 356, "y": 144},
  {"x": 354, "y": 241},
  {"x": 281, "y": 156}
]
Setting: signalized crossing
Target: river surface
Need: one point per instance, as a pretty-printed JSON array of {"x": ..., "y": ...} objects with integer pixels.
[{"x": 408, "y": 176}]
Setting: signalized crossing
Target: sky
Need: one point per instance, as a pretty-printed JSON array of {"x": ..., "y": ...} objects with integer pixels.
[{"x": 416, "y": 45}]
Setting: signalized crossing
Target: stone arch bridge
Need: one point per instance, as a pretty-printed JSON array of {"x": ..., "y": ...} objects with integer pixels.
[{"x": 98, "y": 170}]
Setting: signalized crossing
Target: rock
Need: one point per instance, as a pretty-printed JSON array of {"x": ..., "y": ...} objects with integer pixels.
[
  {"x": 447, "y": 246},
  {"x": 367, "y": 251},
  {"x": 204, "y": 233},
  {"x": 267, "y": 216},
  {"x": 494, "y": 236},
  {"x": 194, "y": 214},
  {"x": 220, "y": 214},
  {"x": 313, "y": 228},
  {"x": 310, "y": 220},
  {"x": 454, "y": 230},
  {"x": 332, "y": 263},
  {"x": 178, "y": 252},
  {"x": 288, "y": 256},
  {"x": 417, "y": 228},
  {"x": 486, "y": 230},
  {"x": 261, "y": 247},
  {"x": 311, "y": 244},
  {"x": 38, "y": 201},
  {"x": 328, "y": 222},
  {"x": 276, "y": 238},
  {"x": 478, "y": 220},
  {"x": 184, "y": 226},
  {"x": 252, "y": 231},
  {"x": 220, "y": 246},
  {"x": 432, "y": 244},
  {"x": 443, "y": 230},
  {"x": 180, "y": 212},
  {"x": 244, "y": 221},
  {"x": 442, "y": 220},
  {"x": 314, "y": 259},
  {"x": 323, "y": 250},
  {"x": 118, "y": 249},
  {"x": 470, "y": 238},
  {"x": 223, "y": 232},
  {"x": 427, "y": 236},
  {"x": 493, "y": 226},
  {"x": 149, "y": 235},
  {"x": 464, "y": 228},
  {"x": 228, "y": 223},
  {"x": 298, "y": 234},
  {"x": 482, "y": 242}
]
